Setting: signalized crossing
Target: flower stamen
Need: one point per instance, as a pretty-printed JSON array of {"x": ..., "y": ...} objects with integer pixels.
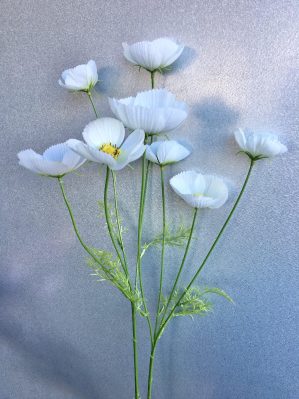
[{"x": 111, "y": 149}]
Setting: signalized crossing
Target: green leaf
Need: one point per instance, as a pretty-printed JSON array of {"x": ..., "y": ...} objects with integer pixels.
[
  {"x": 108, "y": 268},
  {"x": 217, "y": 291},
  {"x": 193, "y": 303},
  {"x": 174, "y": 238}
]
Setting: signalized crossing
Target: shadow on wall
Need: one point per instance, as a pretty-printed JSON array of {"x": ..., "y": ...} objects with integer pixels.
[
  {"x": 217, "y": 119},
  {"x": 108, "y": 79},
  {"x": 188, "y": 56},
  {"x": 53, "y": 359}
]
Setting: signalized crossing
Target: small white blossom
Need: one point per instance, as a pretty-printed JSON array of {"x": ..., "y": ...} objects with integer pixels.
[
  {"x": 154, "y": 111},
  {"x": 259, "y": 145},
  {"x": 200, "y": 191},
  {"x": 155, "y": 55},
  {"x": 104, "y": 143},
  {"x": 166, "y": 152},
  {"x": 81, "y": 78},
  {"x": 56, "y": 161}
]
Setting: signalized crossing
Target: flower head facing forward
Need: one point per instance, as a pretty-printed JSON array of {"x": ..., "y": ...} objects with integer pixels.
[
  {"x": 56, "y": 161},
  {"x": 155, "y": 55},
  {"x": 154, "y": 111},
  {"x": 81, "y": 78},
  {"x": 259, "y": 145},
  {"x": 200, "y": 191},
  {"x": 104, "y": 143},
  {"x": 166, "y": 152}
]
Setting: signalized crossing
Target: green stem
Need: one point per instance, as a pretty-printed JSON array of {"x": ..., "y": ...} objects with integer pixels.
[
  {"x": 121, "y": 242},
  {"x": 108, "y": 221},
  {"x": 125, "y": 268},
  {"x": 210, "y": 251},
  {"x": 163, "y": 246},
  {"x": 150, "y": 373},
  {"x": 153, "y": 79},
  {"x": 68, "y": 205},
  {"x": 138, "y": 275},
  {"x": 135, "y": 350},
  {"x": 182, "y": 263},
  {"x": 92, "y": 103}
]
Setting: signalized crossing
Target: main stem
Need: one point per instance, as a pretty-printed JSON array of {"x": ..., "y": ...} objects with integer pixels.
[
  {"x": 151, "y": 368},
  {"x": 138, "y": 276},
  {"x": 163, "y": 247},
  {"x": 124, "y": 262},
  {"x": 157, "y": 335},
  {"x": 133, "y": 310},
  {"x": 125, "y": 268}
]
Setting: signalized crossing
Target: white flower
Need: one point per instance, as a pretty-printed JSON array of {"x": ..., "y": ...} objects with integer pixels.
[
  {"x": 258, "y": 145},
  {"x": 56, "y": 161},
  {"x": 154, "y": 55},
  {"x": 166, "y": 152},
  {"x": 154, "y": 111},
  {"x": 105, "y": 143},
  {"x": 200, "y": 191},
  {"x": 81, "y": 78}
]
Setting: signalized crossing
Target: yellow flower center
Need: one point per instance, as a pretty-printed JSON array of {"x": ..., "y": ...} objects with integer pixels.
[{"x": 111, "y": 150}]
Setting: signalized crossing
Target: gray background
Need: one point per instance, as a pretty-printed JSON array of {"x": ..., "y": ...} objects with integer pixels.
[{"x": 62, "y": 334}]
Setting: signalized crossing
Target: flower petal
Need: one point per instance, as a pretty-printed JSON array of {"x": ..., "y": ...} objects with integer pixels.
[
  {"x": 182, "y": 183},
  {"x": 92, "y": 73},
  {"x": 104, "y": 131},
  {"x": 151, "y": 152},
  {"x": 171, "y": 151},
  {"x": 169, "y": 49},
  {"x": 56, "y": 152},
  {"x": 216, "y": 189},
  {"x": 240, "y": 138},
  {"x": 26, "y": 158},
  {"x": 80, "y": 148}
]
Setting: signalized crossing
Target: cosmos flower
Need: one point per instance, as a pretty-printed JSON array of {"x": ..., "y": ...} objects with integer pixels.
[
  {"x": 104, "y": 143},
  {"x": 81, "y": 78},
  {"x": 166, "y": 152},
  {"x": 155, "y": 55},
  {"x": 154, "y": 111},
  {"x": 258, "y": 145},
  {"x": 200, "y": 191},
  {"x": 56, "y": 161}
]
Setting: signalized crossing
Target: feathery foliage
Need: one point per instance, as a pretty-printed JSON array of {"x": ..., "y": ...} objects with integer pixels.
[
  {"x": 173, "y": 238},
  {"x": 108, "y": 268},
  {"x": 194, "y": 301}
]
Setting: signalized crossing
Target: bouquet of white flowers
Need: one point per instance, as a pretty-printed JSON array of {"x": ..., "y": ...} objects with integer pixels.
[{"x": 147, "y": 118}]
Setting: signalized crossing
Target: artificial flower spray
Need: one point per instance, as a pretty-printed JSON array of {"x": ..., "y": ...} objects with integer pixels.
[{"x": 147, "y": 117}]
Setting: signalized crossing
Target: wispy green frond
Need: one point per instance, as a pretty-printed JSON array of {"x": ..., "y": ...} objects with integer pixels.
[
  {"x": 173, "y": 238},
  {"x": 217, "y": 291},
  {"x": 108, "y": 268},
  {"x": 194, "y": 301}
]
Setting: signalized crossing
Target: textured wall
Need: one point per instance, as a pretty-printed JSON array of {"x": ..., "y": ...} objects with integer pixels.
[{"x": 62, "y": 334}]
